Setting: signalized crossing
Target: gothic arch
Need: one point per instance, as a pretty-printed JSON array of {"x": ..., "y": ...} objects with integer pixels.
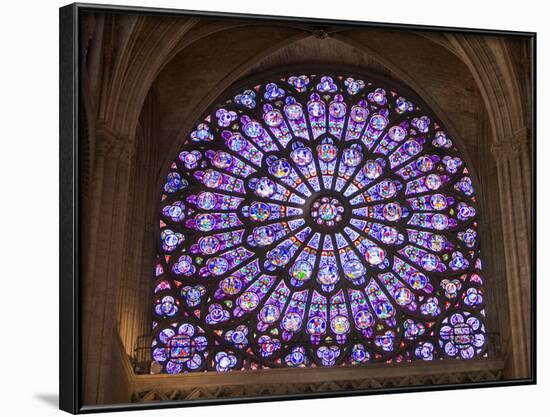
[
  {"x": 248, "y": 65},
  {"x": 150, "y": 46}
]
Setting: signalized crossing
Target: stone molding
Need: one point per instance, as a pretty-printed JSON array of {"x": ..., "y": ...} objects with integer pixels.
[
  {"x": 326, "y": 387},
  {"x": 511, "y": 147}
]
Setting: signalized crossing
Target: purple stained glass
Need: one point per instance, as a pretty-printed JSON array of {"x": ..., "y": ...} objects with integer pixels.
[{"x": 317, "y": 220}]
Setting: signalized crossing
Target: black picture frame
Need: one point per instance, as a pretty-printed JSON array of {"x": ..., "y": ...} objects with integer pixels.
[{"x": 70, "y": 398}]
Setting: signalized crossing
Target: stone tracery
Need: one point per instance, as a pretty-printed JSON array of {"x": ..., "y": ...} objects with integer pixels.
[{"x": 317, "y": 219}]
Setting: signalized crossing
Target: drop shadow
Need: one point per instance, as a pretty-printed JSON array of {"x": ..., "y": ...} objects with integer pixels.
[{"x": 50, "y": 399}]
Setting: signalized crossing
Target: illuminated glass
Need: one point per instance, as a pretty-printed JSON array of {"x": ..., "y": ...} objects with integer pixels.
[{"x": 317, "y": 220}]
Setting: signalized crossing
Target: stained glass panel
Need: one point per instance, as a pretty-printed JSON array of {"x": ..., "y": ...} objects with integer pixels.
[{"x": 317, "y": 220}]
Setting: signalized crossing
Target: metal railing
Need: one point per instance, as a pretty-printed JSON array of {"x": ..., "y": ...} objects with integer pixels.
[{"x": 142, "y": 358}]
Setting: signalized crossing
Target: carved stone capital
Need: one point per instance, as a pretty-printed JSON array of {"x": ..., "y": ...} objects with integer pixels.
[
  {"x": 110, "y": 145},
  {"x": 511, "y": 146}
]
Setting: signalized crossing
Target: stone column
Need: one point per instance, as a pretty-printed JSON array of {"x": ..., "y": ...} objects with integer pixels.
[
  {"x": 513, "y": 167},
  {"x": 104, "y": 239},
  {"x": 136, "y": 286}
]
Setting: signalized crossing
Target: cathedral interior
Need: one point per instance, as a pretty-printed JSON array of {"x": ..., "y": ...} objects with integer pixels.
[{"x": 169, "y": 104}]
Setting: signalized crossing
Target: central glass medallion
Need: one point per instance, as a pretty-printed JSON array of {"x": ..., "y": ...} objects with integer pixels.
[{"x": 327, "y": 211}]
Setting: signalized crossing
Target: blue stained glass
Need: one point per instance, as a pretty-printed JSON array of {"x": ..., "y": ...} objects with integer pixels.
[{"x": 317, "y": 220}]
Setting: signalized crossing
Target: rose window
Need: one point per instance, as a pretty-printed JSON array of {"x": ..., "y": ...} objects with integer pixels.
[{"x": 317, "y": 220}]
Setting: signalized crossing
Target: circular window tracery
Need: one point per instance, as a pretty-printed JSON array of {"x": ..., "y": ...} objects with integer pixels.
[{"x": 316, "y": 220}]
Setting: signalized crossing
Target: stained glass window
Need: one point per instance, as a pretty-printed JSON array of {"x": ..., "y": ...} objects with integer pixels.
[{"x": 317, "y": 220}]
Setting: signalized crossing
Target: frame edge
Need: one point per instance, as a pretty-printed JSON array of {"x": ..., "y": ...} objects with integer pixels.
[
  {"x": 68, "y": 203},
  {"x": 69, "y": 383}
]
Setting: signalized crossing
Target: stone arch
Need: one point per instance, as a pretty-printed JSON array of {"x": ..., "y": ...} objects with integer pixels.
[
  {"x": 149, "y": 47},
  {"x": 250, "y": 64}
]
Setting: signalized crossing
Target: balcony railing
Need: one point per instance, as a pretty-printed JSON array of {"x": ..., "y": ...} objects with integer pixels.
[
  {"x": 142, "y": 353},
  {"x": 137, "y": 384}
]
